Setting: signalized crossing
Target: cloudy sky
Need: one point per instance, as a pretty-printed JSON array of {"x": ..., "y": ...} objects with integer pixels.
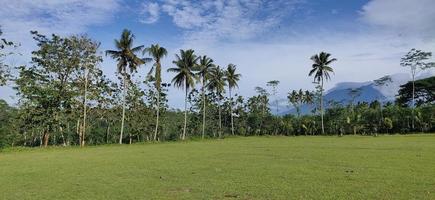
[{"x": 266, "y": 39}]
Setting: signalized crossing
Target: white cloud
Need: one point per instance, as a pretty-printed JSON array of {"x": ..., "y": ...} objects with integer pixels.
[
  {"x": 408, "y": 17},
  {"x": 72, "y": 16},
  {"x": 19, "y": 17},
  {"x": 217, "y": 20},
  {"x": 150, "y": 12}
]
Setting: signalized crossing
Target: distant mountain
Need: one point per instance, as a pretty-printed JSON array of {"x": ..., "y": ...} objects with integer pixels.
[{"x": 367, "y": 92}]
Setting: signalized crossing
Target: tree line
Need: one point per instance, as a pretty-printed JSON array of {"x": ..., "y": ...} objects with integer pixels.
[{"x": 64, "y": 98}]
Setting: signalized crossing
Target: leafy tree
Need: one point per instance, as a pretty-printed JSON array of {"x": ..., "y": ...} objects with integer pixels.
[
  {"x": 46, "y": 88},
  {"x": 217, "y": 83},
  {"x": 84, "y": 55},
  {"x": 157, "y": 53},
  {"x": 125, "y": 55},
  {"x": 388, "y": 123},
  {"x": 4, "y": 68},
  {"x": 185, "y": 77},
  {"x": 422, "y": 90},
  {"x": 232, "y": 78},
  {"x": 416, "y": 59},
  {"x": 321, "y": 69}
]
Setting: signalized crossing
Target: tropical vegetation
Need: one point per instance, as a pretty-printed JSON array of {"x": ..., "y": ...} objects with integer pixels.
[{"x": 64, "y": 98}]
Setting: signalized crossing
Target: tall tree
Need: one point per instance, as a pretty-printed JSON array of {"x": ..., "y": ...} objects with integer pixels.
[
  {"x": 416, "y": 59},
  {"x": 185, "y": 77},
  {"x": 205, "y": 67},
  {"x": 381, "y": 82},
  {"x": 125, "y": 55},
  {"x": 232, "y": 78},
  {"x": 4, "y": 68},
  {"x": 85, "y": 56},
  {"x": 217, "y": 83},
  {"x": 274, "y": 84},
  {"x": 157, "y": 53},
  {"x": 47, "y": 88},
  {"x": 321, "y": 69}
]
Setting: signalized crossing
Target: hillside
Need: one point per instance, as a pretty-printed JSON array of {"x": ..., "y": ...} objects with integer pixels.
[{"x": 368, "y": 91}]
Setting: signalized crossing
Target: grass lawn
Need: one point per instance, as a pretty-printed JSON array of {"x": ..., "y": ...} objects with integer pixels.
[{"x": 385, "y": 167}]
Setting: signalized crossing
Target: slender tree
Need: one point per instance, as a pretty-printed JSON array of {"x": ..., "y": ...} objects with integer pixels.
[
  {"x": 125, "y": 55},
  {"x": 321, "y": 69},
  {"x": 384, "y": 81},
  {"x": 205, "y": 67},
  {"x": 185, "y": 77},
  {"x": 416, "y": 59},
  {"x": 84, "y": 55},
  {"x": 274, "y": 84},
  {"x": 232, "y": 78},
  {"x": 157, "y": 53},
  {"x": 217, "y": 83}
]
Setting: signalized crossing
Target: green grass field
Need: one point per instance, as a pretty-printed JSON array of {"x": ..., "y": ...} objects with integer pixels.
[{"x": 385, "y": 167}]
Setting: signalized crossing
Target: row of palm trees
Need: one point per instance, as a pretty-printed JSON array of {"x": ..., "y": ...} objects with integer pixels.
[{"x": 189, "y": 69}]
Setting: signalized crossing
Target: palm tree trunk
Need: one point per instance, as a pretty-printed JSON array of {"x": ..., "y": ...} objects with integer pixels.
[
  {"x": 413, "y": 98},
  {"x": 82, "y": 142},
  {"x": 123, "y": 109},
  {"x": 220, "y": 120},
  {"x": 203, "y": 110},
  {"x": 185, "y": 111},
  {"x": 321, "y": 107},
  {"x": 157, "y": 116},
  {"x": 158, "y": 82},
  {"x": 231, "y": 112}
]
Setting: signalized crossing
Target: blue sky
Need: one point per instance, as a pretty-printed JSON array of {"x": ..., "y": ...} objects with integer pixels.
[{"x": 267, "y": 40}]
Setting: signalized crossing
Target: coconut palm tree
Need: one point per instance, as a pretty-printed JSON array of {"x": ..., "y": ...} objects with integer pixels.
[
  {"x": 185, "y": 77},
  {"x": 321, "y": 69},
  {"x": 125, "y": 55},
  {"x": 217, "y": 83},
  {"x": 157, "y": 53},
  {"x": 205, "y": 66},
  {"x": 232, "y": 78}
]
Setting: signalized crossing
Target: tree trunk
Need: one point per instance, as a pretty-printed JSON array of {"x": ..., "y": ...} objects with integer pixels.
[
  {"x": 413, "y": 99},
  {"x": 157, "y": 116},
  {"x": 25, "y": 138},
  {"x": 61, "y": 134},
  {"x": 231, "y": 112},
  {"x": 183, "y": 137},
  {"x": 107, "y": 133},
  {"x": 321, "y": 107},
  {"x": 157, "y": 85},
  {"x": 46, "y": 138},
  {"x": 129, "y": 136},
  {"x": 82, "y": 142},
  {"x": 220, "y": 120},
  {"x": 203, "y": 110},
  {"x": 123, "y": 109},
  {"x": 79, "y": 131}
]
